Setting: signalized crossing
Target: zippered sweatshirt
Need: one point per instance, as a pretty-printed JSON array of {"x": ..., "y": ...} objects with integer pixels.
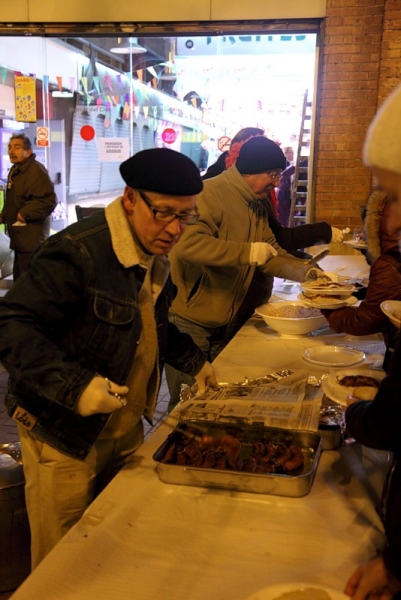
[{"x": 210, "y": 264}]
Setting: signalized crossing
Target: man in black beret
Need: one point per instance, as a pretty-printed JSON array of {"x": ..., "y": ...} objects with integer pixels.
[{"x": 84, "y": 334}]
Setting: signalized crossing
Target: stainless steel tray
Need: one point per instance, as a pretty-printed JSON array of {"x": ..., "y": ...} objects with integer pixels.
[{"x": 295, "y": 484}]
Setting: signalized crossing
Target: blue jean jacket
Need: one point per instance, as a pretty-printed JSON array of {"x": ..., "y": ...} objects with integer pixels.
[{"x": 73, "y": 314}]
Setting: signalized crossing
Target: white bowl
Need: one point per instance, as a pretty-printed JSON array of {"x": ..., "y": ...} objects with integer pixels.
[
  {"x": 290, "y": 327},
  {"x": 389, "y": 307}
]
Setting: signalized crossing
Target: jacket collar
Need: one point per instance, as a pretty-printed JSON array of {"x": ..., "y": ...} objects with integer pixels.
[
  {"x": 127, "y": 251},
  {"x": 25, "y": 164}
]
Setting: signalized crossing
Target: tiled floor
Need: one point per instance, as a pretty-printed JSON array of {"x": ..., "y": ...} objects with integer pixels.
[{"x": 8, "y": 429}]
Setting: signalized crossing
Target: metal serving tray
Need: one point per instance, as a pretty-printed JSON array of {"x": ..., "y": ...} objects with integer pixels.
[{"x": 295, "y": 484}]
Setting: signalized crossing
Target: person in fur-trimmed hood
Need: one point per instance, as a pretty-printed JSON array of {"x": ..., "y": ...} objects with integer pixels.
[{"x": 383, "y": 254}]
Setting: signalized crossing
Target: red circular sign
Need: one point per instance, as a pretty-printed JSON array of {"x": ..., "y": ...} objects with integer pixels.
[
  {"x": 87, "y": 133},
  {"x": 223, "y": 143},
  {"x": 169, "y": 135}
]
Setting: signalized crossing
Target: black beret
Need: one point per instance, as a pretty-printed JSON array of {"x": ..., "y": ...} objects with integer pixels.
[
  {"x": 162, "y": 170},
  {"x": 260, "y": 154}
]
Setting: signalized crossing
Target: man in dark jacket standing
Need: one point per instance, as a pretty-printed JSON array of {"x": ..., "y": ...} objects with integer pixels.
[
  {"x": 30, "y": 200},
  {"x": 84, "y": 335}
]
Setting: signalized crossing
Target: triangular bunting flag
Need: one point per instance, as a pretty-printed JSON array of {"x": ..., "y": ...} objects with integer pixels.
[
  {"x": 72, "y": 84},
  {"x": 84, "y": 81},
  {"x": 127, "y": 111},
  {"x": 120, "y": 83},
  {"x": 152, "y": 71},
  {"x": 3, "y": 72},
  {"x": 96, "y": 81},
  {"x": 146, "y": 111},
  {"x": 59, "y": 83},
  {"x": 136, "y": 111},
  {"x": 107, "y": 79}
]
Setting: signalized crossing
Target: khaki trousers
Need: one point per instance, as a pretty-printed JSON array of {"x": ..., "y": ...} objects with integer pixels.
[{"x": 58, "y": 488}]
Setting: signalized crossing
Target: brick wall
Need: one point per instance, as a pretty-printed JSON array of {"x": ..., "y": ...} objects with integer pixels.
[{"x": 348, "y": 96}]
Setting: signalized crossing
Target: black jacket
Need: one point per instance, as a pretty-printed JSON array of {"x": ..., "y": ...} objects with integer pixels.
[
  {"x": 73, "y": 314},
  {"x": 376, "y": 424},
  {"x": 32, "y": 195}
]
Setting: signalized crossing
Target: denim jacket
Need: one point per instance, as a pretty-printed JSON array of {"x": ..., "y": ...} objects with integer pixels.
[{"x": 75, "y": 313}]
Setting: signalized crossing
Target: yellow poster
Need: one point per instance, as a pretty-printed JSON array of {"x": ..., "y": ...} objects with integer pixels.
[{"x": 25, "y": 99}]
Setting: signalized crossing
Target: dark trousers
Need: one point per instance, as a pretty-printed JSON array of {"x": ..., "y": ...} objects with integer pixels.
[{"x": 21, "y": 261}]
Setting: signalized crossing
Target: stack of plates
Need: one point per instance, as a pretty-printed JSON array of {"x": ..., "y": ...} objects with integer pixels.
[{"x": 318, "y": 294}]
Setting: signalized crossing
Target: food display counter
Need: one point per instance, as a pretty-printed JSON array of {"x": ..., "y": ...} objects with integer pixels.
[{"x": 145, "y": 539}]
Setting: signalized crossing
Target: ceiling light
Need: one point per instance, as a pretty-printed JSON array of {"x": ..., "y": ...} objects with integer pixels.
[{"x": 129, "y": 46}]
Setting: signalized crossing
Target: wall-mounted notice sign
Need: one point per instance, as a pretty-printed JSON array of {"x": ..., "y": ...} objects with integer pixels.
[{"x": 113, "y": 149}]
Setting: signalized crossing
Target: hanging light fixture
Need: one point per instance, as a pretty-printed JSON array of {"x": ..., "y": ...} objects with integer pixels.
[{"x": 128, "y": 46}]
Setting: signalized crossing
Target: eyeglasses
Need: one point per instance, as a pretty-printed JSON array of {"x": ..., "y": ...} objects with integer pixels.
[
  {"x": 274, "y": 174},
  {"x": 168, "y": 216}
]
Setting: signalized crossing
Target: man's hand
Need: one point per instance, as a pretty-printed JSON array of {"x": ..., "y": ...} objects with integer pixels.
[
  {"x": 20, "y": 218},
  {"x": 337, "y": 235},
  {"x": 206, "y": 378},
  {"x": 371, "y": 580},
  {"x": 101, "y": 396},
  {"x": 261, "y": 252},
  {"x": 313, "y": 274}
]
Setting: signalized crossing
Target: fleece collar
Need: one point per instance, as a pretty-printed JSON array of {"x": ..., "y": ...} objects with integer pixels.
[
  {"x": 122, "y": 239},
  {"x": 128, "y": 252}
]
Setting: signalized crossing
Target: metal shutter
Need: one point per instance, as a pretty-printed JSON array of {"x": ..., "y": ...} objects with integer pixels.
[
  {"x": 85, "y": 166},
  {"x": 147, "y": 138}
]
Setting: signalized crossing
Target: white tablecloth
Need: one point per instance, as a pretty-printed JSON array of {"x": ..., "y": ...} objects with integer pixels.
[{"x": 143, "y": 539}]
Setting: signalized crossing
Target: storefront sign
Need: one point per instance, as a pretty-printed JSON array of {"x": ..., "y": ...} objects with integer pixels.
[
  {"x": 169, "y": 135},
  {"x": 113, "y": 149},
  {"x": 25, "y": 99},
  {"x": 42, "y": 136},
  {"x": 246, "y": 44}
]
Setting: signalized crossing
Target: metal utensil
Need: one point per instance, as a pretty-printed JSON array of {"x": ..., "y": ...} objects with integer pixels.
[{"x": 319, "y": 255}]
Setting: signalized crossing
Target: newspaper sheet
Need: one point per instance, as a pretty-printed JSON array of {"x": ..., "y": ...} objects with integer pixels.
[{"x": 283, "y": 399}]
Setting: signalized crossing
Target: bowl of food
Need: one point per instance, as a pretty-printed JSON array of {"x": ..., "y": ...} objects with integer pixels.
[
  {"x": 392, "y": 310},
  {"x": 291, "y": 318}
]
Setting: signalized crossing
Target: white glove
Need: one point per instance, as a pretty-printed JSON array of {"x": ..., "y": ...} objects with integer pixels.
[
  {"x": 206, "y": 378},
  {"x": 101, "y": 396},
  {"x": 261, "y": 252},
  {"x": 337, "y": 235}
]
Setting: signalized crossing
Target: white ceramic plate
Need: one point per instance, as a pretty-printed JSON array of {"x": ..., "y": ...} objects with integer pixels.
[
  {"x": 346, "y": 290},
  {"x": 274, "y": 591},
  {"x": 339, "y": 393},
  {"x": 330, "y": 304},
  {"x": 333, "y": 356},
  {"x": 388, "y": 307},
  {"x": 356, "y": 245}
]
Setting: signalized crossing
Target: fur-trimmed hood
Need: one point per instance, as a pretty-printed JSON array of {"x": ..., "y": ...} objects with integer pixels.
[{"x": 377, "y": 238}]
